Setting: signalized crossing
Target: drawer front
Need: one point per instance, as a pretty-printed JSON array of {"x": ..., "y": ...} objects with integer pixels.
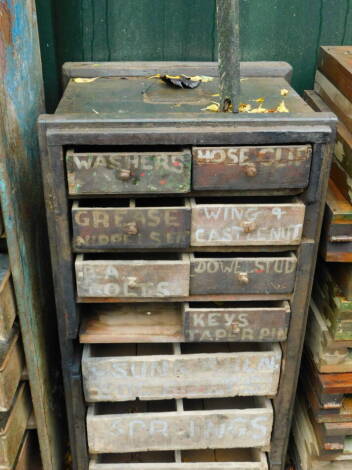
[
  {"x": 128, "y": 173},
  {"x": 133, "y": 228},
  {"x": 132, "y": 278},
  {"x": 247, "y": 224},
  {"x": 236, "y": 324},
  {"x": 10, "y": 372},
  {"x": 251, "y": 168},
  {"x": 163, "y": 377},
  {"x": 252, "y": 275},
  {"x": 135, "y": 432}
]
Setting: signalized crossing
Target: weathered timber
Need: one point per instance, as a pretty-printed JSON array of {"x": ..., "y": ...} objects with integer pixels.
[
  {"x": 7, "y": 300},
  {"x": 138, "y": 277},
  {"x": 335, "y": 62},
  {"x": 11, "y": 369},
  {"x": 150, "y": 372},
  {"x": 13, "y": 425},
  {"x": 137, "y": 172},
  {"x": 247, "y": 423},
  {"x": 248, "y": 323},
  {"x": 249, "y": 168},
  {"x": 135, "y": 225},
  {"x": 343, "y": 277},
  {"x": 215, "y": 224},
  {"x": 336, "y": 101},
  {"x": 26, "y": 459},
  {"x": 228, "y": 26},
  {"x": 237, "y": 275},
  {"x": 208, "y": 459}
]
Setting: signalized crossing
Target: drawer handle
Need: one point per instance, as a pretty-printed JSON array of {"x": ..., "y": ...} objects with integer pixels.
[
  {"x": 132, "y": 282},
  {"x": 249, "y": 226},
  {"x": 243, "y": 278},
  {"x": 124, "y": 175},
  {"x": 340, "y": 239},
  {"x": 130, "y": 228},
  {"x": 250, "y": 170},
  {"x": 236, "y": 327}
]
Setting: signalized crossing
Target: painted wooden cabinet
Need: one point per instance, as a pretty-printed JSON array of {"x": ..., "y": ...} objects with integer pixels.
[{"x": 183, "y": 244}]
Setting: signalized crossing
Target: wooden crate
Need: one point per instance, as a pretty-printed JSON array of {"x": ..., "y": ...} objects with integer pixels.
[
  {"x": 161, "y": 372},
  {"x": 145, "y": 426},
  {"x": 11, "y": 369},
  {"x": 219, "y": 459},
  {"x": 7, "y": 299}
]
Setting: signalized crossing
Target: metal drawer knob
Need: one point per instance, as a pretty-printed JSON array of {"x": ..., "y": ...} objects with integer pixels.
[
  {"x": 249, "y": 226},
  {"x": 243, "y": 278},
  {"x": 130, "y": 228},
  {"x": 250, "y": 170},
  {"x": 132, "y": 282},
  {"x": 124, "y": 175}
]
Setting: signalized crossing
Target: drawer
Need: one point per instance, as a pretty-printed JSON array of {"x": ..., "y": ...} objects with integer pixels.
[
  {"x": 207, "y": 459},
  {"x": 11, "y": 367},
  {"x": 230, "y": 224},
  {"x": 169, "y": 425},
  {"x": 131, "y": 224},
  {"x": 123, "y": 372},
  {"x": 251, "y": 168},
  {"x": 13, "y": 426},
  {"x": 143, "y": 275},
  {"x": 230, "y": 273},
  {"x": 94, "y": 173},
  {"x": 7, "y": 299},
  {"x": 240, "y": 321},
  {"x": 185, "y": 322}
]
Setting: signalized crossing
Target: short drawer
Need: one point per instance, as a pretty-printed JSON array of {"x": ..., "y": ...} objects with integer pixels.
[
  {"x": 240, "y": 321},
  {"x": 163, "y": 275},
  {"x": 11, "y": 367},
  {"x": 120, "y": 372},
  {"x": 94, "y": 173},
  {"x": 161, "y": 425},
  {"x": 131, "y": 224},
  {"x": 230, "y": 273},
  {"x": 7, "y": 299},
  {"x": 251, "y": 168},
  {"x": 13, "y": 426},
  {"x": 231, "y": 224},
  {"x": 207, "y": 459}
]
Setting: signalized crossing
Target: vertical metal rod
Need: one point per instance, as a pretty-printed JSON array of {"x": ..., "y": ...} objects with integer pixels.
[{"x": 228, "y": 25}]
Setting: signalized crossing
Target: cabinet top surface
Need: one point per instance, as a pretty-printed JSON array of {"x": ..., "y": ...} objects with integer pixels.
[{"x": 139, "y": 97}]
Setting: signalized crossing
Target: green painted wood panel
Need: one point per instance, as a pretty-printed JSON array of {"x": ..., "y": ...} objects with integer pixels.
[{"x": 186, "y": 30}]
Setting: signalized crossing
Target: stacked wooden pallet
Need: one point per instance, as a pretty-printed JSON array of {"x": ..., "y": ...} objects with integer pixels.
[{"x": 323, "y": 418}]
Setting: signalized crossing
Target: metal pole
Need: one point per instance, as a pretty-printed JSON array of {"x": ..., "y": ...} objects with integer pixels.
[{"x": 228, "y": 24}]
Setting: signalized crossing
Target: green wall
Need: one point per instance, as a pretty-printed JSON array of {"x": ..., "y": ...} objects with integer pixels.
[{"x": 99, "y": 30}]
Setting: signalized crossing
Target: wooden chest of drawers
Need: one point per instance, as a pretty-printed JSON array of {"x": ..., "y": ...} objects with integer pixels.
[{"x": 183, "y": 244}]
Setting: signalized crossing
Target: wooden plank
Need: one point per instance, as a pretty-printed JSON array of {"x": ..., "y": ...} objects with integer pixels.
[
  {"x": 98, "y": 227},
  {"x": 11, "y": 368},
  {"x": 335, "y": 62},
  {"x": 116, "y": 373},
  {"x": 238, "y": 275},
  {"x": 244, "y": 168},
  {"x": 128, "y": 173},
  {"x": 165, "y": 430},
  {"x": 7, "y": 299},
  {"x": 260, "y": 323},
  {"x": 338, "y": 103},
  {"x": 215, "y": 224},
  {"x": 137, "y": 277},
  {"x": 13, "y": 425},
  {"x": 26, "y": 457}
]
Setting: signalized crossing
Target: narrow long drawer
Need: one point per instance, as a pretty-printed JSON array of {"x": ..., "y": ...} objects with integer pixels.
[
  {"x": 219, "y": 459},
  {"x": 11, "y": 367},
  {"x": 131, "y": 224},
  {"x": 141, "y": 426},
  {"x": 160, "y": 371},
  {"x": 232, "y": 224},
  {"x": 13, "y": 427},
  {"x": 7, "y": 300},
  {"x": 232, "y": 273},
  {"x": 139, "y": 172},
  {"x": 250, "y": 168},
  {"x": 133, "y": 276}
]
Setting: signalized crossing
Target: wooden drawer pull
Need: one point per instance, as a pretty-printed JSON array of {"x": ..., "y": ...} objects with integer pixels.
[
  {"x": 249, "y": 226},
  {"x": 132, "y": 282},
  {"x": 243, "y": 278},
  {"x": 250, "y": 170},
  {"x": 130, "y": 228},
  {"x": 124, "y": 175}
]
